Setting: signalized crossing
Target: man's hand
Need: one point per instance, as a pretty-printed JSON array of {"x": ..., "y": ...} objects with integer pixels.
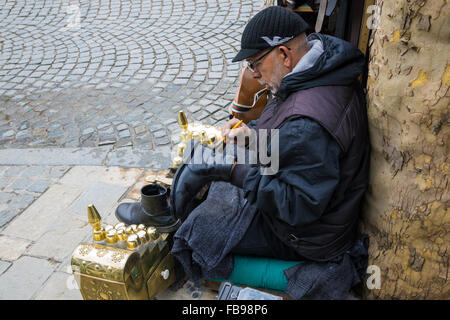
[
  {"x": 200, "y": 166},
  {"x": 239, "y": 135}
]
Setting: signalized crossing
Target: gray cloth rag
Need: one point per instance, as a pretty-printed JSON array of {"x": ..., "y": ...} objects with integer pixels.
[
  {"x": 203, "y": 243},
  {"x": 330, "y": 280}
]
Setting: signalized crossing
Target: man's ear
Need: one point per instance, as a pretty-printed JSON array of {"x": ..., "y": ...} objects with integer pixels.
[{"x": 287, "y": 56}]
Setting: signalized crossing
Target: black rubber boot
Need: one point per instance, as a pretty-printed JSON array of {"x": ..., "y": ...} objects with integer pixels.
[{"x": 152, "y": 210}]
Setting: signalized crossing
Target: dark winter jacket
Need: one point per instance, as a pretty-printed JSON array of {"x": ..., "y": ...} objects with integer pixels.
[{"x": 313, "y": 202}]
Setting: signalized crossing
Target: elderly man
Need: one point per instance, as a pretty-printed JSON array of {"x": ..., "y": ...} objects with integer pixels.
[{"x": 308, "y": 209}]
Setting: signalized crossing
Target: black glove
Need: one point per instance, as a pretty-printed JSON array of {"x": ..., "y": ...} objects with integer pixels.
[{"x": 200, "y": 166}]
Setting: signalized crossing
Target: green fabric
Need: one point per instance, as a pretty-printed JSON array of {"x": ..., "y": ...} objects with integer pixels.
[{"x": 258, "y": 272}]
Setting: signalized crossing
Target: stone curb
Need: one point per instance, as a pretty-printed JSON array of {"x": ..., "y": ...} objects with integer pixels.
[{"x": 128, "y": 157}]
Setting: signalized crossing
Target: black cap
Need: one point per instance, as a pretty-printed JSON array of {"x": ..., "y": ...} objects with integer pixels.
[{"x": 269, "y": 28}]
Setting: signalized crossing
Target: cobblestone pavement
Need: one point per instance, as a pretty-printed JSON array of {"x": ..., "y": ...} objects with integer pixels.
[
  {"x": 21, "y": 185},
  {"x": 92, "y": 73},
  {"x": 89, "y": 96}
]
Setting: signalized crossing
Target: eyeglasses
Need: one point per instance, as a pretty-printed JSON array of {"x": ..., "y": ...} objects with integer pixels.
[{"x": 252, "y": 65}]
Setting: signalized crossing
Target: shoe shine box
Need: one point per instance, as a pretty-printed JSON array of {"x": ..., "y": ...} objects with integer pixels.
[{"x": 122, "y": 262}]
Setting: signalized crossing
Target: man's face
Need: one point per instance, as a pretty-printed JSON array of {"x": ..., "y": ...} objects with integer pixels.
[{"x": 267, "y": 68}]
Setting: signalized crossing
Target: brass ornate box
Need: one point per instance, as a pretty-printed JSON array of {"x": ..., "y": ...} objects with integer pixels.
[
  {"x": 108, "y": 273},
  {"x": 124, "y": 262}
]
